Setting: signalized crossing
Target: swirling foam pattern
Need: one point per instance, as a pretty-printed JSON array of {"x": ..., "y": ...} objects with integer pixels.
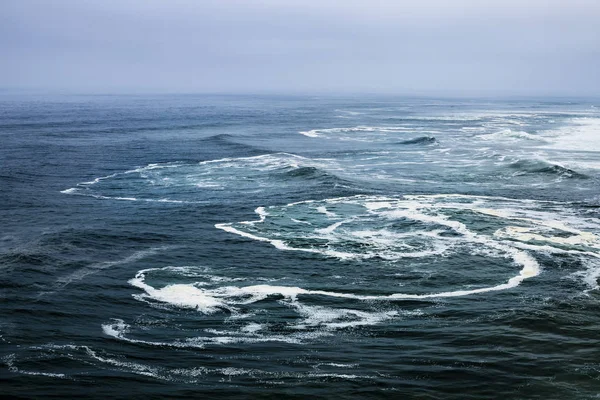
[
  {"x": 437, "y": 227},
  {"x": 466, "y": 237}
]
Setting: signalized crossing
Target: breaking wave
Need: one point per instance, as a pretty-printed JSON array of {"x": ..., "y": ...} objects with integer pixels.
[
  {"x": 363, "y": 133},
  {"x": 509, "y": 134},
  {"x": 179, "y": 183},
  {"x": 420, "y": 140},
  {"x": 524, "y": 167}
]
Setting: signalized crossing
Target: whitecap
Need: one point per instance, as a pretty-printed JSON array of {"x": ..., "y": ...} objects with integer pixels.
[
  {"x": 162, "y": 183},
  {"x": 581, "y": 134},
  {"x": 355, "y": 133},
  {"x": 509, "y": 134}
]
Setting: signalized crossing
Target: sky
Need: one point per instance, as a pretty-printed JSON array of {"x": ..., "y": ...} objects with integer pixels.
[{"x": 448, "y": 47}]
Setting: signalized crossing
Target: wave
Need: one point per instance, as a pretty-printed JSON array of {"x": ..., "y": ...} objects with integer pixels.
[
  {"x": 233, "y": 144},
  {"x": 538, "y": 166},
  {"x": 309, "y": 173},
  {"x": 221, "y": 137},
  {"x": 440, "y": 119},
  {"x": 339, "y": 133},
  {"x": 509, "y": 134},
  {"x": 320, "y": 177},
  {"x": 228, "y": 140},
  {"x": 420, "y": 140},
  {"x": 184, "y": 183}
]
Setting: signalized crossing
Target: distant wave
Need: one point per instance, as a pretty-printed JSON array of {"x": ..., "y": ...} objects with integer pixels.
[
  {"x": 509, "y": 134},
  {"x": 177, "y": 182},
  {"x": 419, "y": 140},
  {"x": 524, "y": 167},
  {"x": 314, "y": 133},
  {"x": 309, "y": 173},
  {"x": 220, "y": 137},
  {"x": 227, "y": 141}
]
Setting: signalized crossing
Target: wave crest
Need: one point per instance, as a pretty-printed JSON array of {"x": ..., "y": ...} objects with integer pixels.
[{"x": 537, "y": 166}]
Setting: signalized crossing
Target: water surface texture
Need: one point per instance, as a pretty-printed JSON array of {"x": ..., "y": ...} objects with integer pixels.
[{"x": 239, "y": 246}]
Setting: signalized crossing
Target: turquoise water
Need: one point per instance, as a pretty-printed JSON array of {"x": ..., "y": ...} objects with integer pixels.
[{"x": 245, "y": 246}]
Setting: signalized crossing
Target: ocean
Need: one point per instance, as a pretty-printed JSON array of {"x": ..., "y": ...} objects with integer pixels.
[{"x": 221, "y": 246}]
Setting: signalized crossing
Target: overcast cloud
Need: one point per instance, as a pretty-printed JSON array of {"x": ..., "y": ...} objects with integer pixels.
[{"x": 458, "y": 47}]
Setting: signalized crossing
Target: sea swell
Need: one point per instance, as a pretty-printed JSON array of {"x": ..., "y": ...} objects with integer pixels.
[{"x": 542, "y": 167}]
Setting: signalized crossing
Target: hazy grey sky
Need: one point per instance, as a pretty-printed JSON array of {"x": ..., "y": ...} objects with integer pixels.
[{"x": 411, "y": 46}]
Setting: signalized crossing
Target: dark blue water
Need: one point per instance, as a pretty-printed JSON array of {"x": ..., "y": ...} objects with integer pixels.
[{"x": 239, "y": 246}]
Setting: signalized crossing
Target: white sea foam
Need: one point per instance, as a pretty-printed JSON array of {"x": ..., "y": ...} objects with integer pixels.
[
  {"x": 228, "y": 297},
  {"x": 181, "y": 295},
  {"x": 339, "y": 318},
  {"x": 312, "y": 322},
  {"x": 300, "y": 222},
  {"x": 252, "y": 328},
  {"x": 509, "y": 134},
  {"x": 548, "y": 222},
  {"x": 582, "y": 134},
  {"x": 351, "y": 112},
  {"x": 119, "y": 330},
  {"x": 337, "y": 365},
  {"x": 381, "y": 242},
  {"x": 525, "y": 234},
  {"x": 354, "y": 133},
  {"x": 323, "y": 210},
  {"x": 591, "y": 275}
]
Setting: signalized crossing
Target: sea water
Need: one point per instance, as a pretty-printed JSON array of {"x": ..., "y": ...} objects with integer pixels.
[{"x": 289, "y": 246}]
